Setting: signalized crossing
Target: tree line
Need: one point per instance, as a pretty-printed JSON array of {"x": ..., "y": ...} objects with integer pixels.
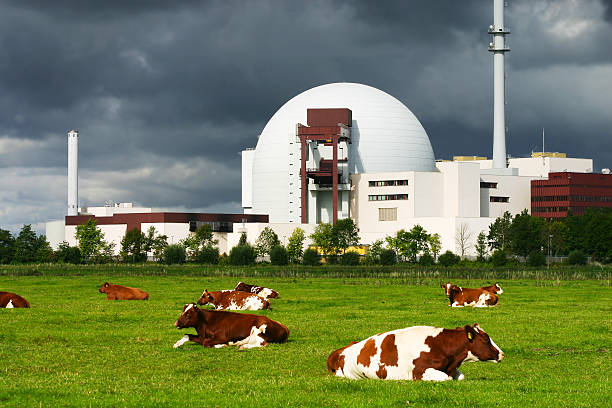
[{"x": 509, "y": 239}]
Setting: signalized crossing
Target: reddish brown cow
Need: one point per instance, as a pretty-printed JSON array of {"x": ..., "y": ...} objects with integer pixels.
[
  {"x": 118, "y": 292},
  {"x": 265, "y": 293},
  {"x": 415, "y": 353},
  {"x": 233, "y": 300},
  {"x": 495, "y": 288},
  {"x": 460, "y": 297},
  {"x": 12, "y": 300},
  {"x": 220, "y": 328}
]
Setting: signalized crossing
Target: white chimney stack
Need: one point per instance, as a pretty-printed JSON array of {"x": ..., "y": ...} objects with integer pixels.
[
  {"x": 73, "y": 169},
  {"x": 498, "y": 48}
]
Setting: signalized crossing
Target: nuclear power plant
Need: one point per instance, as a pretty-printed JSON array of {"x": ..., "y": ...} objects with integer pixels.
[{"x": 348, "y": 150}]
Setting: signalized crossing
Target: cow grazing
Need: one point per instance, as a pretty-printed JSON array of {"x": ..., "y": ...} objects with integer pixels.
[
  {"x": 12, "y": 300},
  {"x": 233, "y": 300},
  {"x": 219, "y": 328},
  {"x": 460, "y": 297},
  {"x": 265, "y": 293},
  {"x": 118, "y": 292},
  {"x": 415, "y": 353}
]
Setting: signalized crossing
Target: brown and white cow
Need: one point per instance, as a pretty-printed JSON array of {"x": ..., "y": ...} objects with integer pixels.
[
  {"x": 233, "y": 300},
  {"x": 495, "y": 288},
  {"x": 266, "y": 293},
  {"x": 12, "y": 300},
  {"x": 219, "y": 328},
  {"x": 415, "y": 353},
  {"x": 118, "y": 292},
  {"x": 460, "y": 297}
]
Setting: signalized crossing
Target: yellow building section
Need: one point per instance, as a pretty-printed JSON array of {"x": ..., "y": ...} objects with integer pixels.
[
  {"x": 468, "y": 158},
  {"x": 549, "y": 154}
]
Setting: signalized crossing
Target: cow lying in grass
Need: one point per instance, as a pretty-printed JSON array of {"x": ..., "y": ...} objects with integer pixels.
[
  {"x": 481, "y": 297},
  {"x": 233, "y": 300},
  {"x": 220, "y": 328},
  {"x": 415, "y": 353},
  {"x": 12, "y": 300},
  {"x": 265, "y": 293},
  {"x": 118, "y": 292}
]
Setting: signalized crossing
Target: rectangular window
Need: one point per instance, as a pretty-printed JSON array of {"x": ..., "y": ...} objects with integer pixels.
[
  {"x": 487, "y": 184},
  {"x": 494, "y": 199},
  {"x": 387, "y": 214},
  {"x": 387, "y": 183},
  {"x": 387, "y": 197}
]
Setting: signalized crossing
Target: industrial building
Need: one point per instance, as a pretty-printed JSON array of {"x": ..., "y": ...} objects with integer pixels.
[{"x": 350, "y": 150}]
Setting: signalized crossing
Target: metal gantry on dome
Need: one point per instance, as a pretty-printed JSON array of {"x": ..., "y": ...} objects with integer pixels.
[{"x": 329, "y": 127}]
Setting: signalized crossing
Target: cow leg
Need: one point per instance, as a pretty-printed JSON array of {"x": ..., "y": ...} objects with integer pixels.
[
  {"x": 186, "y": 338},
  {"x": 213, "y": 343},
  {"x": 431, "y": 374}
]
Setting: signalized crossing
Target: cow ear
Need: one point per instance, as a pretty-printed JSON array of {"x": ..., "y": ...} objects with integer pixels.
[
  {"x": 469, "y": 331},
  {"x": 106, "y": 284}
]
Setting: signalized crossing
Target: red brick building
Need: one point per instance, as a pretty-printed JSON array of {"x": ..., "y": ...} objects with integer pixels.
[{"x": 574, "y": 192}]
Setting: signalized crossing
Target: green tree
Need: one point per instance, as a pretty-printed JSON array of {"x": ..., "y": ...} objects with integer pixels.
[
  {"x": 498, "y": 232},
  {"x": 481, "y": 247},
  {"x": 525, "y": 234},
  {"x": 295, "y": 247},
  {"x": 200, "y": 240},
  {"x": 7, "y": 247},
  {"x": 26, "y": 245},
  {"x": 449, "y": 259},
  {"x": 67, "y": 254},
  {"x": 243, "y": 239},
  {"x": 323, "y": 238},
  {"x": 344, "y": 234},
  {"x": 311, "y": 257},
  {"x": 154, "y": 245},
  {"x": 598, "y": 232},
  {"x": 266, "y": 241},
  {"x": 243, "y": 254},
  {"x": 411, "y": 243},
  {"x": 173, "y": 254},
  {"x": 91, "y": 241},
  {"x": 44, "y": 252},
  {"x": 132, "y": 246},
  {"x": 278, "y": 255},
  {"x": 435, "y": 246},
  {"x": 556, "y": 235},
  {"x": 350, "y": 258},
  {"x": 374, "y": 251}
]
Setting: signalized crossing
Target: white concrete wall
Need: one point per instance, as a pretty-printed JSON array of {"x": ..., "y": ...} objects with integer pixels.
[
  {"x": 253, "y": 229},
  {"x": 55, "y": 231},
  {"x": 247, "y": 178}
]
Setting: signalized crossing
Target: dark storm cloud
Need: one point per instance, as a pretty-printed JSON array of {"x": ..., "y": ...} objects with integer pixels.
[{"x": 165, "y": 94}]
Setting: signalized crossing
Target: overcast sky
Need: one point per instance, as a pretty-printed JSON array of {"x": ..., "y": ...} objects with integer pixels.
[{"x": 166, "y": 94}]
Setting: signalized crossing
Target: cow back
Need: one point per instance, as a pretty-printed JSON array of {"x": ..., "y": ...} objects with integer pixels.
[{"x": 14, "y": 299}]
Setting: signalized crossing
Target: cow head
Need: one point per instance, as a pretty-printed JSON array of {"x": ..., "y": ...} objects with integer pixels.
[
  {"x": 449, "y": 288},
  {"x": 189, "y": 317},
  {"x": 480, "y": 345},
  {"x": 498, "y": 289},
  {"x": 104, "y": 287},
  {"x": 206, "y": 298},
  {"x": 335, "y": 361}
]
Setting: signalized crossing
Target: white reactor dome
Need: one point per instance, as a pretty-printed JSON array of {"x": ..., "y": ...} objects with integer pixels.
[{"x": 385, "y": 135}]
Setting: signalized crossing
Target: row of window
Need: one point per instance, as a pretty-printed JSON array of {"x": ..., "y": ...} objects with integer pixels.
[
  {"x": 495, "y": 199},
  {"x": 385, "y": 183},
  {"x": 537, "y": 210},
  {"x": 488, "y": 184},
  {"x": 600, "y": 199},
  {"x": 387, "y": 197},
  {"x": 572, "y": 186}
]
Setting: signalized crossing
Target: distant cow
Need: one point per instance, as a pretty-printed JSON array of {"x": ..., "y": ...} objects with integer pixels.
[
  {"x": 415, "y": 353},
  {"x": 460, "y": 297},
  {"x": 233, "y": 300},
  {"x": 12, "y": 300},
  {"x": 495, "y": 288},
  {"x": 219, "y": 328},
  {"x": 118, "y": 292},
  {"x": 266, "y": 293}
]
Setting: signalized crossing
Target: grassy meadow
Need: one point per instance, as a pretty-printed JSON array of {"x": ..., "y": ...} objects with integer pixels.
[{"x": 74, "y": 348}]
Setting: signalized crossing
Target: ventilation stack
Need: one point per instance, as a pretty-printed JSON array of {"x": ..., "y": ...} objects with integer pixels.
[{"x": 73, "y": 177}]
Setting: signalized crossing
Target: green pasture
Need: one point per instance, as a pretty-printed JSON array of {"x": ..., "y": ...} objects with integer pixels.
[{"x": 74, "y": 348}]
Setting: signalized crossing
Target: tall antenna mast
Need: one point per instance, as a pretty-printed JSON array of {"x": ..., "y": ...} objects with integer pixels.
[
  {"x": 543, "y": 159},
  {"x": 498, "y": 48}
]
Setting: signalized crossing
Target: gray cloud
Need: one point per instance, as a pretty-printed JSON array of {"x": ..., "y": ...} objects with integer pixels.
[{"x": 165, "y": 95}]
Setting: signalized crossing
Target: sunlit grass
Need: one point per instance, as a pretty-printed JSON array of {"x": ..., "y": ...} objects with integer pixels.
[{"x": 75, "y": 348}]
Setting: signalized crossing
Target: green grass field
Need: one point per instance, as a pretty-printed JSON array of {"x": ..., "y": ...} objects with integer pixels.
[{"x": 74, "y": 348}]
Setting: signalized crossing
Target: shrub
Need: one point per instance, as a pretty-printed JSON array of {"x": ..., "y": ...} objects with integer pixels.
[
  {"x": 576, "y": 257},
  {"x": 536, "y": 258},
  {"x": 223, "y": 259},
  {"x": 208, "y": 255},
  {"x": 448, "y": 259},
  {"x": 311, "y": 257},
  {"x": 67, "y": 254},
  {"x": 174, "y": 254},
  {"x": 242, "y": 255},
  {"x": 499, "y": 258},
  {"x": 426, "y": 260},
  {"x": 350, "y": 258},
  {"x": 387, "y": 257},
  {"x": 278, "y": 255}
]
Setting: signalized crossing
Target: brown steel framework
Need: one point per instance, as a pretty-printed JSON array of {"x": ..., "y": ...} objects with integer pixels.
[{"x": 321, "y": 130}]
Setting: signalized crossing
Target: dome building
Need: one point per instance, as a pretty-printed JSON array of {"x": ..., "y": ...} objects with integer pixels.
[{"x": 383, "y": 136}]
